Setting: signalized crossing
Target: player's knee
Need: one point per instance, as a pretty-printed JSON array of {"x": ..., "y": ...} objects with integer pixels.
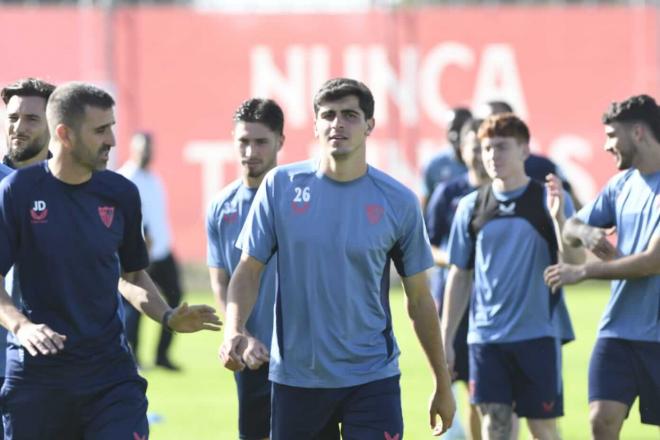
[
  {"x": 604, "y": 424},
  {"x": 543, "y": 429}
]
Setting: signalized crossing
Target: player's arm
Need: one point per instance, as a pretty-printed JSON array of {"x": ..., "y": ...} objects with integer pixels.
[
  {"x": 556, "y": 202},
  {"x": 242, "y": 294},
  {"x": 643, "y": 264},
  {"x": 578, "y": 233},
  {"x": 219, "y": 284},
  {"x": 422, "y": 313},
  {"x": 35, "y": 338},
  {"x": 454, "y": 305},
  {"x": 139, "y": 290}
]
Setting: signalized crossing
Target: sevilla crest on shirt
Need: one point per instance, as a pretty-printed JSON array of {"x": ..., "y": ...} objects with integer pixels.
[{"x": 107, "y": 214}]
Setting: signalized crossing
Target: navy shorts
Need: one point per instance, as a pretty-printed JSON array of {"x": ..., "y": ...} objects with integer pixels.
[
  {"x": 371, "y": 411},
  {"x": 621, "y": 370},
  {"x": 525, "y": 375},
  {"x": 253, "y": 389},
  {"x": 110, "y": 412}
]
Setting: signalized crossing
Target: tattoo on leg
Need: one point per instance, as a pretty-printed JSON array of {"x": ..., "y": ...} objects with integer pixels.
[{"x": 496, "y": 421}]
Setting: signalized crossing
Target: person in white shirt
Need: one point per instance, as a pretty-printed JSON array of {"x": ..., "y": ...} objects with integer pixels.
[{"x": 163, "y": 267}]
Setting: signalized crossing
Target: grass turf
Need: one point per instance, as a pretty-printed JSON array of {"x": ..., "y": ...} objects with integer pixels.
[{"x": 200, "y": 402}]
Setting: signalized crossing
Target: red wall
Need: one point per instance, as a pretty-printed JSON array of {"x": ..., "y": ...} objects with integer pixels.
[{"x": 181, "y": 73}]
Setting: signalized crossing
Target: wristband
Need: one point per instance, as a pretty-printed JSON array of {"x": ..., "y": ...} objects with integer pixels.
[{"x": 165, "y": 320}]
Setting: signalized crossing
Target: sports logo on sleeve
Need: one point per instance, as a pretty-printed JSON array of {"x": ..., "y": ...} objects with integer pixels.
[
  {"x": 107, "y": 214},
  {"x": 230, "y": 217},
  {"x": 39, "y": 212},
  {"x": 301, "y": 198},
  {"x": 374, "y": 213}
]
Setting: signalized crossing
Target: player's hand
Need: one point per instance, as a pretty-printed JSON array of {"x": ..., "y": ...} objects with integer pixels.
[
  {"x": 554, "y": 196},
  {"x": 40, "y": 339},
  {"x": 255, "y": 354},
  {"x": 189, "y": 319},
  {"x": 595, "y": 239},
  {"x": 231, "y": 351},
  {"x": 561, "y": 274},
  {"x": 443, "y": 405}
]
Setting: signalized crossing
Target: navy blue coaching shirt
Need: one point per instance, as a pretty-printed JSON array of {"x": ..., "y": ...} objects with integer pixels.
[{"x": 69, "y": 244}]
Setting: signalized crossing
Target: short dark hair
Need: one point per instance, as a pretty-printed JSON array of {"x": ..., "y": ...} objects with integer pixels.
[
  {"x": 504, "y": 125},
  {"x": 67, "y": 103},
  {"x": 263, "y": 111},
  {"x": 638, "y": 108},
  {"x": 457, "y": 117},
  {"x": 471, "y": 125},
  {"x": 338, "y": 88},
  {"x": 499, "y": 106},
  {"x": 27, "y": 87}
]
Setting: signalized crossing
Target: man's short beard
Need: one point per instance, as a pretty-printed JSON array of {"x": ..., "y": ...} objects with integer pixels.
[{"x": 26, "y": 153}]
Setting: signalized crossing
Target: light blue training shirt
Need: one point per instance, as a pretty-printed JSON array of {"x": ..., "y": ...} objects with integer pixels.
[
  {"x": 631, "y": 202},
  {"x": 334, "y": 243},
  {"x": 224, "y": 220},
  {"x": 510, "y": 302}
]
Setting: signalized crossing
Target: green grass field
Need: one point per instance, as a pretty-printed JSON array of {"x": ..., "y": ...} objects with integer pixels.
[{"x": 200, "y": 402}]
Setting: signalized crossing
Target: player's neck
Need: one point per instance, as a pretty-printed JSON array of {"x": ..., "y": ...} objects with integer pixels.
[
  {"x": 510, "y": 183},
  {"x": 253, "y": 182},
  {"x": 648, "y": 163},
  {"x": 65, "y": 169},
  {"x": 344, "y": 169}
]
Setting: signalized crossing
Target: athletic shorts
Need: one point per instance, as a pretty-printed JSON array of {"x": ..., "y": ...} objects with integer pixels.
[
  {"x": 110, "y": 412},
  {"x": 524, "y": 374},
  {"x": 370, "y": 411},
  {"x": 253, "y": 389},
  {"x": 621, "y": 370}
]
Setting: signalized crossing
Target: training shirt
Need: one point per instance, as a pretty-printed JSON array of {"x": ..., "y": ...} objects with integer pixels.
[
  {"x": 631, "y": 202},
  {"x": 68, "y": 244},
  {"x": 4, "y": 172},
  {"x": 441, "y": 168},
  {"x": 154, "y": 209},
  {"x": 224, "y": 220},
  {"x": 439, "y": 215},
  {"x": 510, "y": 302},
  {"x": 334, "y": 243}
]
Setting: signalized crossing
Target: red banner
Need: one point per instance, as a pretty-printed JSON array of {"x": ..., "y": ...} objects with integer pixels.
[{"x": 181, "y": 73}]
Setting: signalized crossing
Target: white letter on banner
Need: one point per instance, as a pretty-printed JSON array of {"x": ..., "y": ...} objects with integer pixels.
[
  {"x": 430, "y": 87},
  {"x": 384, "y": 82},
  {"x": 212, "y": 156},
  {"x": 288, "y": 89},
  {"x": 498, "y": 79},
  {"x": 565, "y": 150}
]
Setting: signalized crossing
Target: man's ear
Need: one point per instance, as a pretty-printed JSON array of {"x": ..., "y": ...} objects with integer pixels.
[
  {"x": 64, "y": 134},
  {"x": 525, "y": 150},
  {"x": 371, "y": 123}
]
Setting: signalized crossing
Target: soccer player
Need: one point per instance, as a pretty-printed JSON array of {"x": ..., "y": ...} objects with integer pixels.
[
  {"x": 536, "y": 166},
  {"x": 258, "y": 137},
  {"x": 26, "y": 134},
  {"x": 25, "y": 124},
  {"x": 336, "y": 224},
  {"x": 163, "y": 268},
  {"x": 439, "y": 215},
  {"x": 73, "y": 234},
  {"x": 625, "y": 362},
  {"x": 447, "y": 164},
  {"x": 503, "y": 235}
]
